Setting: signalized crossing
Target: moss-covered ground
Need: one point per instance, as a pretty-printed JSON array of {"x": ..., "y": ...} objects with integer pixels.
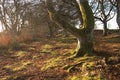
[{"x": 49, "y": 59}]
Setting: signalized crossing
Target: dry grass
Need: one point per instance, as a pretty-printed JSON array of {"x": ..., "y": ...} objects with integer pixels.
[{"x": 5, "y": 39}]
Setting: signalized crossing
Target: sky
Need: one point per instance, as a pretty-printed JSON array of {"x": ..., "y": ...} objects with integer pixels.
[
  {"x": 0, "y": 27},
  {"x": 111, "y": 24}
]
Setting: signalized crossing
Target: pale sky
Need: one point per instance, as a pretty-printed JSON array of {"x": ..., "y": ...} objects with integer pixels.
[
  {"x": 112, "y": 24},
  {"x": 0, "y": 27}
]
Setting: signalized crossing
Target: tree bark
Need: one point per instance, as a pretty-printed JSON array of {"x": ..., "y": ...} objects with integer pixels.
[
  {"x": 105, "y": 29},
  {"x": 118, "y": 13},
  {"x": 83, "y": 35},
  {"x": 85, "y": 45},
  {"x": 118, "y": 17},
  {"x": 85, "y": 40},
  {"x": 50, "y": 26}
]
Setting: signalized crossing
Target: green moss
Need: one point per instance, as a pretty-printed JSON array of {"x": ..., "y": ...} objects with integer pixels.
[
  {"x": 35, "y": 57},
  {"x": 45, "y": 51},
  {"x": 87, "y": 15},
  {"x": 20, "y": 54},
  {"x": 81, "y": 77},
  {"x": 86, "y": 50},
  {"x": 32, "y": 49},
  {"x": 17, "y": 66},
  {"x": 85, "y": 62},
  {"x": 8, "y": 78},
  {"x": 13, "y": 77},
  {"x": 91, "y": 78},
  {"x": 68, "y": 67},
  {"x": 86, "y": 59},
  {"x": 88, "y": 66},
  {"x": 22, "y": 66},
  {"x": 46, "y": 48},
  {"x": 86, "y": 77},
  {"x": 54, "y": 62},
  {"x": 75, "y": 78},
  {"x": 72, "y": 51}
]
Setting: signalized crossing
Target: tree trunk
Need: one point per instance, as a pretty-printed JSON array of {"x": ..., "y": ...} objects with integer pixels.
[
  {"x": 65, "y": 34},
  {"x": 51, "y": 30},
  {"x": 85, "y": 38},
  {"x": 105, "y": 29},
  {"x": 85, "y": 45},
  {"x": 118, "y": 17},
  {"x": 118, "y": 13},
  {"x": 84, "y": 34}
]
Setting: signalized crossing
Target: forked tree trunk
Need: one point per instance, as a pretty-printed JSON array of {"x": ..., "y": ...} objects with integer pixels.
[
  {"x": 85, "y": 39},
  {"x": 84, "y": 35}
]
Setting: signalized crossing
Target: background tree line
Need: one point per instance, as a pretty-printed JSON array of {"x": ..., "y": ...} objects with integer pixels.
[{"x": 27, "y": 19}]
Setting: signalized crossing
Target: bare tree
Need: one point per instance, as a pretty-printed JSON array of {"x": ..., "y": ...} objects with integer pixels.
[
  {"x": 116, "y": 3},
  {"x": 103, "y": 11},
  {"x": 12, "y": 15},
  {"x": 84, "y": 34}
]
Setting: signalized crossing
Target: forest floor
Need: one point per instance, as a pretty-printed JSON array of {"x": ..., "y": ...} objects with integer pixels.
[{"x": 50, "y": 59}]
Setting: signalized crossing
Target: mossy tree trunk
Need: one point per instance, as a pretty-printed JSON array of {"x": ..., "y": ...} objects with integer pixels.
[
  {"x": 84, "y": 34},
  {"x": 85, "y": 45},
  {"x": 85, "y": 39}
]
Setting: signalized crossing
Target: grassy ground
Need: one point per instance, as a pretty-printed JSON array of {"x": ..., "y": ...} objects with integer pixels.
[{"x": 49, "y": 59}]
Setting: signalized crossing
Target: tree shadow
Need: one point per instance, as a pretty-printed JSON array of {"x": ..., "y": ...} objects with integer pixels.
[
  {"x": 110, "y": 58},
  {"x": 114, "y": 39}
]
